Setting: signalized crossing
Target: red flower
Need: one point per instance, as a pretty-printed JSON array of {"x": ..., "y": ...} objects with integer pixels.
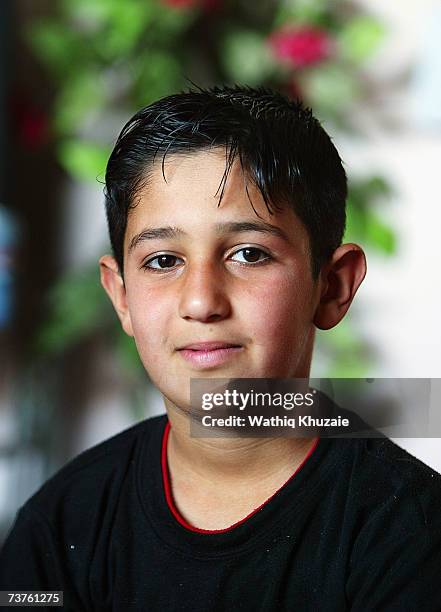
[{"x": 302, "y": 46}]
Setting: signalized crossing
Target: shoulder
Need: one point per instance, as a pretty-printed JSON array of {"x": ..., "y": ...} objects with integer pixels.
[
  {"x": 95, "y": 474},
  {"x": 395, "y": 546},
  {"x": 388, "y": 479}
]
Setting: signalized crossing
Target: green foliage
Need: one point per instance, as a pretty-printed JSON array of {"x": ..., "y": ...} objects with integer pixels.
[
  {"x": 56, "y": 46},
  {"x": 151, "y": 49},
  {"x": 305, "y": 12},
  {"x": 83, "y": 160},
  {"x": 82, "y": 95},
  {"x": 364, "y": 225},
  {"x": 360, "y": 38},
  {"x": 246, "y": 58},
  {"x": 331, "y": 89},
  {"x": 368, "y": 229},
  {"x": 78, "y": 307},
  {"x": 131, "y": 17},
  {"x": 343, "y": 353},
  {"x": 156, "y": 77}
]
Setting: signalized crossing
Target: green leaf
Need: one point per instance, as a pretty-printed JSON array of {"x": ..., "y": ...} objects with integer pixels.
[
  {"x": 343, "y": 337},
  {"x": 365, "y": 226},
  {"x": 380, "y": 235},
  {"x": 156, "y": 74},
  {"x": 331, "y": 88},
  {"x": 91, "y": 13},
  {"x": 360, "y": 38},
  {"x": 363, "y": 222},
  {"x": 377, "y": 186},
  {"x": 348, "y": 367},
  {"x": 247, "y": 58},
  {"x": 128, "y": 20},
  {"x": 83, "y": 160},
  {"x": 342, "y": 352},
  {"x": 55, "y": 45},
  {"x": 81, "y": 95},
  {"x": 170, "y": 23},
  {"x": 77, "y": 307},
  {"x": 302, "y": 12}
]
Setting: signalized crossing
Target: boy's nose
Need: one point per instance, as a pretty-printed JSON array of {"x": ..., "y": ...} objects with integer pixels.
[{"x": 203, "y": 295}]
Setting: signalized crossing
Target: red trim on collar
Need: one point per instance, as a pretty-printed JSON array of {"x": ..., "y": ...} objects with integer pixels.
[{"x": 169, "y": 495}]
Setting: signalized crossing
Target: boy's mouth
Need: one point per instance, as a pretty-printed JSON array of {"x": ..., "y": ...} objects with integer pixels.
[
  {"x": 208, "y": 346},
  {"x": 209, "y": 354}
]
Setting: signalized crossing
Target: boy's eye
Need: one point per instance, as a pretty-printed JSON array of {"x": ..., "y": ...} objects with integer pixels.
[
  {"x": 251, "y": 255},
  {"x": 161, "y": 262},
  {"x": 245, "y": 255}
]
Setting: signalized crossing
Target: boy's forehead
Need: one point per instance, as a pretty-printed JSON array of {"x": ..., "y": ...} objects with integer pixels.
[
  {"x": 185, "y": 181},
  {"x": 189, "y": 191}
]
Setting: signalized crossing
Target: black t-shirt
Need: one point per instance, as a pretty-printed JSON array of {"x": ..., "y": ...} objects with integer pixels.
[{"x": 357, "y": 527}]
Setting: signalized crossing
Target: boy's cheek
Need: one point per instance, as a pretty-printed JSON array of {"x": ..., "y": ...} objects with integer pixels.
[
  {"x": 150, "y": 326},
  {"x": 281, "y": 318},
  {"x": 279, "y": 302}
]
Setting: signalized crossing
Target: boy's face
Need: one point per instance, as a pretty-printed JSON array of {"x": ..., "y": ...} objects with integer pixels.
[{"x": 197, "y": 273}]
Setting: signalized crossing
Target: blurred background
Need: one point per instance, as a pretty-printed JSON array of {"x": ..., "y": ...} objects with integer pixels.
[{"x": 73, "y": 71}]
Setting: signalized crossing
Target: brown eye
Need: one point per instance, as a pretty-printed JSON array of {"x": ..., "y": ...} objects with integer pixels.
[
  {"x": 251, "y": 255},
  {"x": 161, "y": 262}
]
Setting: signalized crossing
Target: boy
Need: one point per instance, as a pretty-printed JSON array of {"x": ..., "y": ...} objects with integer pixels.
[{"x": 226, "y": 211}]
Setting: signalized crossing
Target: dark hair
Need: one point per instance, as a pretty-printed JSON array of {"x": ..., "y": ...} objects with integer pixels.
[{"x": 283, "y": 149}]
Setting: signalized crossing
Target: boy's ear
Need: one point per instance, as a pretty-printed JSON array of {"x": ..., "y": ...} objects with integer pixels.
[
  {"x": 113, "y": 283},
  {"x": 341, "y": 278}
]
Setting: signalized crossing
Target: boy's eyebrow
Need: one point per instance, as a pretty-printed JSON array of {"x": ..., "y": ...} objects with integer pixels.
[
  {"x": 235, "y": 227},
  {"x": 152, "y": 233},
  {"x": 231, "y": 227}
]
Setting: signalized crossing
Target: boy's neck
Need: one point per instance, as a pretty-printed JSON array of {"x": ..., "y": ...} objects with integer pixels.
[{"x": 218, "y": 481}]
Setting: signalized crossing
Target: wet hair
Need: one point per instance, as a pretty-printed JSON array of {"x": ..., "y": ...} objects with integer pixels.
[{"x": 281, "y": 146}]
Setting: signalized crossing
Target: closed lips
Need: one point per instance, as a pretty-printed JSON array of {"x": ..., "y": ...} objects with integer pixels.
[{"x": 208, "y": 346}]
